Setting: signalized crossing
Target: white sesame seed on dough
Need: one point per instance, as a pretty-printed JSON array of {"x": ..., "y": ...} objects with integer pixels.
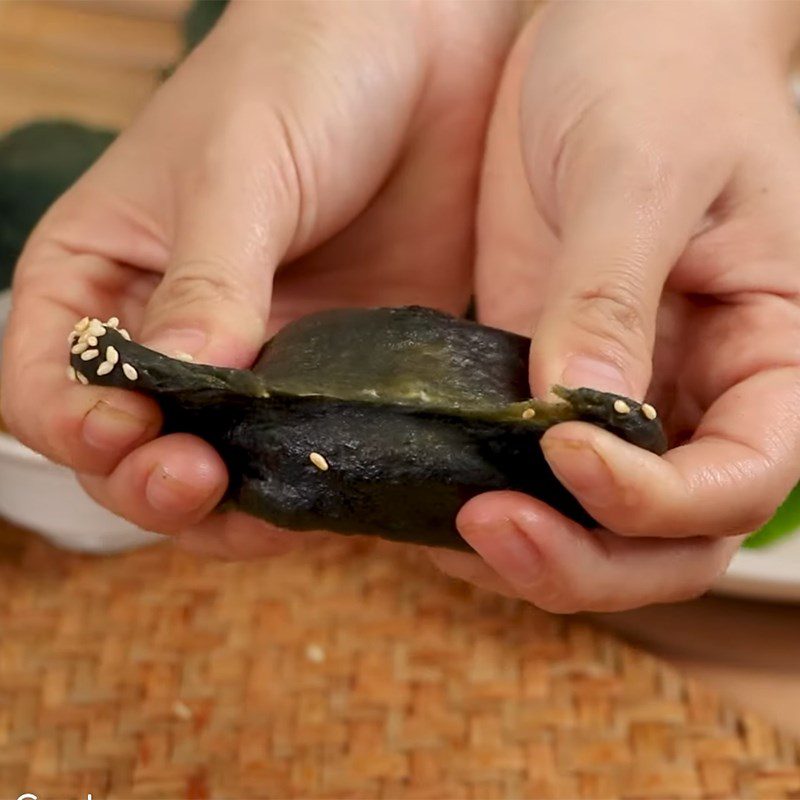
[
  {"x": 318, "y": 461},
  {"x": 181, "y": 356},
  {"x": 130, "y": 372},
  {"x": 82, "y": 325},
  {"x": 649, "y": 411},
  {"x": 621, "y": 407},
  {"x": 105, "y": 368},
  {"x": 112, "y": 355},
  {"x": 88, "y": 355},
  {"x": 82, "y": 378},
  {"x": 79, "y": 348},
  {"x": 91, "y": 341},
  {"x": 71, "y": 374},
  {"x": 73, "y": 337},
  {"x": 123, "y": 333},
  {"x": 528, "y": 413},
  {"x": 96, "y": 328},
  {"x": 113, "y": 322}
]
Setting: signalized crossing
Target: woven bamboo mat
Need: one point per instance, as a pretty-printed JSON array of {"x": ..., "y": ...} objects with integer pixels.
[
  {"x": 353, "y": 670},
  {"x": 350, "y": 670}
]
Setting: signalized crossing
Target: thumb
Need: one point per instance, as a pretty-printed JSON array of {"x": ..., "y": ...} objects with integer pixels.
[
  {"x": 623, "y": 223},
  {"x": 214, "y": 299}
]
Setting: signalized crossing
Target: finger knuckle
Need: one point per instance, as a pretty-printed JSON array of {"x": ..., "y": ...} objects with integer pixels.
[
  {"x": 612, "y": 313},
  {"x": 204, "y": 281},
  {"x": 611, "y": 302}
]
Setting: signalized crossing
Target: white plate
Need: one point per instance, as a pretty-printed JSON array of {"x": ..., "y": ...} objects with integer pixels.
[
  {"x": 771, "y": 573},
  {"x": 45, "y": 497}
]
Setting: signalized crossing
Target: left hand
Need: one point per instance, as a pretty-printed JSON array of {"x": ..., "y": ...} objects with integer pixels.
[
  {"x": 305, "y": 155},
  {"x": 639, "y": 211}
]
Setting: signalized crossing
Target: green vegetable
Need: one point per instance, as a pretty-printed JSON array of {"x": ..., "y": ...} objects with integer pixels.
[
  {"x": 200, "y": 19},
  {"x": 38, "y": 163},
  {"x": 375, "y": 421},
  {"x": 785, "y": 522}
]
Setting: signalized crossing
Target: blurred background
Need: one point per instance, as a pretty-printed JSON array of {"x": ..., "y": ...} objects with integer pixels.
[
  {"x": 93, "y": 60},
  {"x": 129, "y": 670}
]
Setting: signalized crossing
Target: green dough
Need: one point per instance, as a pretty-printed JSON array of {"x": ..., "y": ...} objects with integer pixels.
[{"x": 374, "y": 421}]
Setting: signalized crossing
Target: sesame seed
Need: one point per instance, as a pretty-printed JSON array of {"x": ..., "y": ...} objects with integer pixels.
[
  {"x": 318, "y": 461},
  {"x": 124, "y": 334},
  {"x": 649, "y": 411},
  {"x": 79, "y": 348},
  {"x": 88, "y": 355},
  {"x": 315, "y": 653},
  {"x": 91, "y": 341},
  {"x": 73, "y": 336},
  {"x": 105, "y": 368},
  {"x": 130, "y": 372},
  {"x": 621, "y": 407},
  {"x": 113, "y": 322},
  {"x": 96, "y": 328},
  {"x": 181, "y": 356},
  {"x": 82, "y": 325},
  {"x": 528, "y": 413},
  {"x": 71, "y": 374},
  {"x": 112, "y": 356},
  {"x": 82, "y": 378}
]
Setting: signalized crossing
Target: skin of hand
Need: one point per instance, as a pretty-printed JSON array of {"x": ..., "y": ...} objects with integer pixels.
[
  {"x": 638, "y": 213},
  {"x": 306, "y": 155}
]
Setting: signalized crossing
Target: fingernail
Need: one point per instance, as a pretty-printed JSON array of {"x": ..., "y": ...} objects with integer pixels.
[
  {"x": 107, "y": 427},
  {"x": 578, "y": 466},
  {"x": 592, "y": 373},
  {"x": 168, "y": 494},
  {"x": 506, "y": 547},
  {"x": 177, "y": 340}
]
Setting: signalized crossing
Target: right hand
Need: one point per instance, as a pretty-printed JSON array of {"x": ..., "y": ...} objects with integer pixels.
[
  {"x": 633, "y": 214},
  {"x": 342, "y": 140}
]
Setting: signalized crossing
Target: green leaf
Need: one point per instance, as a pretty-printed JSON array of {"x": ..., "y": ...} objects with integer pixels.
[
  {"x": 38, "y": 163},
  {"x": 201, "y": 18}
]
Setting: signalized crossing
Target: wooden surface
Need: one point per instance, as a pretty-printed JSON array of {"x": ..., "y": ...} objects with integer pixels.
[
  {"x": 93, "y": 61},
  {"x": 350, "y": 670},
  {"x": 100, "y": 659},
  {"x": 748, "y": 651}
]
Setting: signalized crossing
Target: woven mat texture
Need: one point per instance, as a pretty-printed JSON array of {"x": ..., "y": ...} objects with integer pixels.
[
  {"x": 350, "y": 671},
  {"x": 353, "y": 670}
]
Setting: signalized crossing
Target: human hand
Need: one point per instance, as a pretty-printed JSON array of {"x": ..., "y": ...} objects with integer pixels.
[
  {"x": 648, "y": 223},
  {"x": 306, "y": 155}
]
